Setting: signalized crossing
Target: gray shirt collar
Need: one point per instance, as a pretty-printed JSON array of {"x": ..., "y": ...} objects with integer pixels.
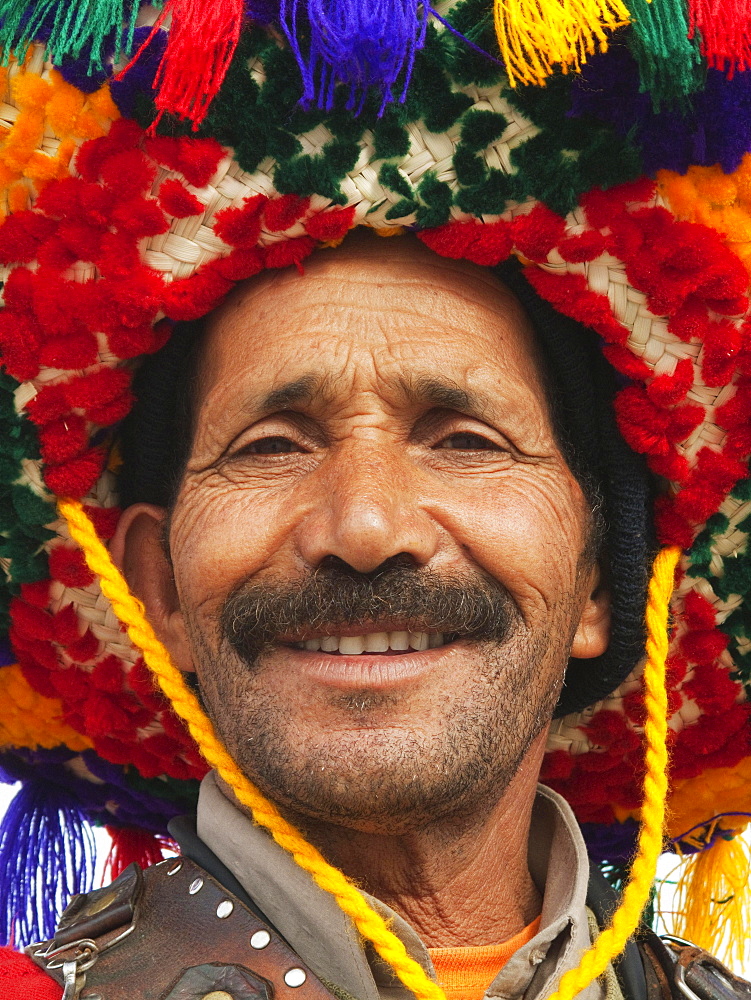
[{"x": 328, "y": 942}]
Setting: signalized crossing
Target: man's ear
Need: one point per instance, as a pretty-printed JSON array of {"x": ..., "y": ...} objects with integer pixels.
[
  {"x": 593, "y": 632},
  {"x": 137, "y": 549}
]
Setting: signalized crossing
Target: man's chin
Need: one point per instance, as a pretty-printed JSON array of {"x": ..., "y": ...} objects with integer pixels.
[{"x": 374, "y": 780}]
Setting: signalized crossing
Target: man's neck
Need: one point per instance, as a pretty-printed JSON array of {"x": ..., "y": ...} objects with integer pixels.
[{"x": 459, "y": 882}]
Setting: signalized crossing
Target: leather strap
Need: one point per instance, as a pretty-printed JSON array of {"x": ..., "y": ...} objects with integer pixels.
[
  {"x": 171, "y": 932},
  {"x": 678, "y": 970}
]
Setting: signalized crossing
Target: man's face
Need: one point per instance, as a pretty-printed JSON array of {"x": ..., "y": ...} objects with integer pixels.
[{"x": 373, "y": 468}]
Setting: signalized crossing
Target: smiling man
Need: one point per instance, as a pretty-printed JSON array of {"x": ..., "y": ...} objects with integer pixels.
[
  {"x": 378, "y": 563},
  {"x": 315, "y": 545}
]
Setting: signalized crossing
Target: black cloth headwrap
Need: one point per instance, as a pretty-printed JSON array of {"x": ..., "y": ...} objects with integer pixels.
[
  {"x": 155, "y": 443},
  {"x": 583, "y": 387}
]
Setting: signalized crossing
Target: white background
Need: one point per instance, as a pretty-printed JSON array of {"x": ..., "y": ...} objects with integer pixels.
[{"x": 667, "y": 871}]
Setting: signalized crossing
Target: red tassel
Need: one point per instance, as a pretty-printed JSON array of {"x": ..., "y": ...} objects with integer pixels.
[
  {"x": 129, "y": 845},
  {"x": 724, "y": 33},
  {"x": 200, "y": 44}
]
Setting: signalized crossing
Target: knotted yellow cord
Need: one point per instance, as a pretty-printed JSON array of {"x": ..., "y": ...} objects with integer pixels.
[
  {"x": 626, "y": 918},
  {"x": 370, "y": 924}
]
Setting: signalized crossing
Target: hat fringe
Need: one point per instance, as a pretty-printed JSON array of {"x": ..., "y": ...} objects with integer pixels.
[
  {"x": 713, "y": 894},
  {"x": 535, "y": 36},
  {"x": 73, "y": 29},
  {"x": 47, "y": 854}
]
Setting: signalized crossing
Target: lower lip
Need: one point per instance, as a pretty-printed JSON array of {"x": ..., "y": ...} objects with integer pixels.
[{"x": 370, "y": 670}]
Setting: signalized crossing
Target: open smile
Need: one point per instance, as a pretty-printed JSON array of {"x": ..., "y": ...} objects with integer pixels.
[
  {"x": 379, "y": 660},
  {"x": 373, "y": 642}
]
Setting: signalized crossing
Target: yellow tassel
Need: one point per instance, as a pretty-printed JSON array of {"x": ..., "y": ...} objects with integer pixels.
[
  {"x": 713, "y": 900},
  {"x": 535, "y": 36}
]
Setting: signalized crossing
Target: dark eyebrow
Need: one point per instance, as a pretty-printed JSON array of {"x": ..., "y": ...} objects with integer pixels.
[
  {"x": 442, "y": 393},
  {"x": 301, "y": 390},
  {"x": 421, "y": 390}
]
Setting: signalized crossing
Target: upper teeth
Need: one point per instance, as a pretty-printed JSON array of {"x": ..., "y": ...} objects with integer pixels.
[{"x": 373, "y": 642}]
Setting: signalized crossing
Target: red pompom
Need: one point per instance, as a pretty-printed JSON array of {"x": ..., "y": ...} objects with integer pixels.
[
  {"x": 30, "y": 622},
  {"x": 703, "y": 647},
  {"x": 104, "y": 519},
  {"x": 711, "y": 479},
  {"x": 625, "y": 361},
  {"x": 585, "y": 246},
  {"x": 331, "y": 225},
  {"x": 81, "y": 240},
  {"x": 78, "y": 350},
  {"x": 130, "y": 173},
  {"x": 49, "y": 403},
  {"x": 485, "y": 244},
  {"x": 22, "y": 234},
  {"x": 722, "y": 343},
  {"x": 698, "y": 611},
  {"x": 69, "y": 567},
  {"x": 118, "y": 255},
  {"x": 107, "y": 675},
  {"x": 84, "y": 649},
  {"x": 130, "y": 342},
  {"x": 536, "y": 233},
  {"x": 241, "y": 227},
  {"x": 194, "y": 297},
  {"x": 671, "y": 527},
  {"x": 37, "y": 593},
  {"x": 76, "y": 477},
  {"x": 283, "y": 212},
  {"x": 667, "y": 390},
  {"x": 288, "y": 252},
  {"x": 571, "y": 295},
  {"x": 140, "y": 217},
  {"x": 133, "y": 301},
  {"x": 63, "y": 439},
  {"x": 97, "y": 388},
  {"x": 56, "y": 255},
  {"x": 196, "y": 159},
  {"x": 65, "y": 624},
  {"x": 176, "y": 200},
  {"x": 690, "y": 321},
  {"x": 671, "y": 466},
  {"x": 557, "y": 764},
  {"x": 240, "y": 264}
]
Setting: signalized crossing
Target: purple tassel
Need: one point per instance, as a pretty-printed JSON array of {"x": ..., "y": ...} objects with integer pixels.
[
  {"x": 358, "y": 43},
  {"x": 47, "y": 855}
]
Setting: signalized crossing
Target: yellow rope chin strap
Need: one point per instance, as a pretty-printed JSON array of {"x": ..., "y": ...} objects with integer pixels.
[{"x": 370, "y": 924}]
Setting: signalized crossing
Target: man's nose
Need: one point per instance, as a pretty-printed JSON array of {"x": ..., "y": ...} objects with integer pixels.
[{"x": 367, "y": 510}]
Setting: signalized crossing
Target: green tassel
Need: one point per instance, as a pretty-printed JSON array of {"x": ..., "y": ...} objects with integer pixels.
[
  {"x": 74, "y": 26},
  {"x": 670, "y": 65}
]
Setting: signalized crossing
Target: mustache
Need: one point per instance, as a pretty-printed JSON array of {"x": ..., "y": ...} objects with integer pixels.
[{"x": 257, "y": 616}]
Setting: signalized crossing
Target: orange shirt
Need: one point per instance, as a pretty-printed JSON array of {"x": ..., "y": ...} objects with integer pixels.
[{"x": 465, "y": 973}]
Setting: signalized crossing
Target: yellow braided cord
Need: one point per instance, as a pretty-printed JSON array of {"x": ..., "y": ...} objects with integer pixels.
[
  {"x": 626, "y": 918},
  {"x": 370, "y": 924},
  {"x": 130, "y": 611}
]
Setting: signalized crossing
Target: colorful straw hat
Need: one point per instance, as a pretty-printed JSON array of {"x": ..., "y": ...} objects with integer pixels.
[{"x": 621, "y": 179}]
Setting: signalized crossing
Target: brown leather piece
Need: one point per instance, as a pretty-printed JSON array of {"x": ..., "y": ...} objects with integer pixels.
[
  {"x": 176, "y": 926},
  {"x": 658, "y": 982},
  {"x": 708, "y": 978}
]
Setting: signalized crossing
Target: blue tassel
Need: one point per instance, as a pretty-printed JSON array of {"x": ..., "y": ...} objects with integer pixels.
[
  {"x": 358, "y": 43},
  {"x": 47, "y": 854}
]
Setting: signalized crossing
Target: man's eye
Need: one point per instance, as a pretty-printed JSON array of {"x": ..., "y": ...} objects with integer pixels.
[
  {"x": 271, "y": 446},
  {"x": 466, "y": 441}
]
